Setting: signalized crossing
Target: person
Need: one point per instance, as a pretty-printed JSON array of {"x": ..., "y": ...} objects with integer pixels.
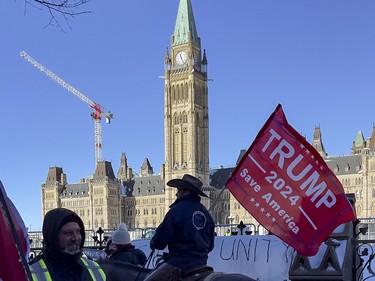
[
  {"x": 124, "y": 251},
  {"x": 62, "y": 259},
  {"x": 228, "y": 233},
  {"x": 109, "y": 247},
  {"x": 187, "y": 229}
]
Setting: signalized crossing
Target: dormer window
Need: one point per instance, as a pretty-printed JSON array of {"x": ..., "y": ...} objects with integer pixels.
[
  {"x": 347, "y": 168},
  {"x": 336, "y": 170}
]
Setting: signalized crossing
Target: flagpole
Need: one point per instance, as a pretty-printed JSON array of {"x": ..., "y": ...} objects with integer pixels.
[{"x": 15, "y": 235}]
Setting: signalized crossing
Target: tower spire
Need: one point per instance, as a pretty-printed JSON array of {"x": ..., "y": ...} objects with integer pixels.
[
  {"x": 185, "y": 104},
  {"x": 185, "y": 30},
  {"x": 318, "y": 142}
]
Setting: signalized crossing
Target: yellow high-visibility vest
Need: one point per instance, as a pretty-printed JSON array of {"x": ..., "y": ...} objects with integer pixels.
[{"x": 39, "y": 270}]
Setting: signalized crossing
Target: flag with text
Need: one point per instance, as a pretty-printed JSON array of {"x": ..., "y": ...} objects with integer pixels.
[{"x": 284, "y": 183}]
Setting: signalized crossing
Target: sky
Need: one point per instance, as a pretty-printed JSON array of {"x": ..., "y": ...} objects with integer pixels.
[{"x": 314, "y": 57}]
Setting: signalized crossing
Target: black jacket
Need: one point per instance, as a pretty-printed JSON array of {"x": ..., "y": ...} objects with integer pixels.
[
  {"x": 188, "y": 231},
  {"x": 129, "y": 254},
  {"x": 61, "y": 266}
]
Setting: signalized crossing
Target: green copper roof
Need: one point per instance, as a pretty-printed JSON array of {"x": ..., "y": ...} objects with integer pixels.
[
  {"x": 359, "y": 140},
  {"x": 185, "y": 23}
]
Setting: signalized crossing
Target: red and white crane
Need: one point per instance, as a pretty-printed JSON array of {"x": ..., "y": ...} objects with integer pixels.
[{"x": 96, "y": 115}]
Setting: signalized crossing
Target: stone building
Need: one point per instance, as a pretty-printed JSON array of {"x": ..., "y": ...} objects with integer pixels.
[
  {"x": 145, "y": 197},
  {"x": 96, "y": 199},
  {"x": 141, "y": 200},
  {"x": 357, "y": 173}
]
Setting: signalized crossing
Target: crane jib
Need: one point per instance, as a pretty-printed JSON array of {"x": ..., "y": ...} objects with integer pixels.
[{"x": 98, "y": 109}]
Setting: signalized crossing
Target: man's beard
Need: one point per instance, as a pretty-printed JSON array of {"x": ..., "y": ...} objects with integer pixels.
[{"x": 72, "y": 249}]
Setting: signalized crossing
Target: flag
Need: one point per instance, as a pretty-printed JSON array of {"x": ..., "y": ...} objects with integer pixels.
[
  {"x": 14, "y": 242},
  {"x": 284, "y": 183}
]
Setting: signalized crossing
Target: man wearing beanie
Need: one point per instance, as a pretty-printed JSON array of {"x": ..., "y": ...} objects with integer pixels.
[
  {"x": 61, "y": 259},
  {"x": 124, "y": 250}
]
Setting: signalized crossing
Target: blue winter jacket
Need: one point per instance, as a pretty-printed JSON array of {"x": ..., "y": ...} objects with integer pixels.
[{"x": 188, "y": 231}]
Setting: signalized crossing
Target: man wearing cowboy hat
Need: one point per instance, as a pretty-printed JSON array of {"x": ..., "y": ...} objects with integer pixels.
[{"x": 187, "y": 229}]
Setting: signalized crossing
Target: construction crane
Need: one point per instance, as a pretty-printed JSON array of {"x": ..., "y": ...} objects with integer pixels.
[{"x": 96, "y": 115}]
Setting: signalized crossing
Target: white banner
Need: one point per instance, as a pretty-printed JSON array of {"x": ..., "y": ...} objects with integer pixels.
[{"x": 261, "y": 257}]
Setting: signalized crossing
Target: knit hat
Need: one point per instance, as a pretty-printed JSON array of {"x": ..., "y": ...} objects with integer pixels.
[{"x": 121, "y": 235}]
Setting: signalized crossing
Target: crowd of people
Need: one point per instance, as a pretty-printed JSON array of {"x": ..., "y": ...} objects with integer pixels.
[{"x": 187, "y": 230}]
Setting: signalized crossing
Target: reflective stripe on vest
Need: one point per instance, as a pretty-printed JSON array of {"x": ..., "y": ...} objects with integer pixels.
[
  {"x": 94, "y": 269},
  {"x": 39, "y": 270}
]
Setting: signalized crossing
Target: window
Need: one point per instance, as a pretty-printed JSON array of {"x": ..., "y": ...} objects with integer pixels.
[
  {"x": 336, "y": 170},
  {"x": 347, "y": 168}
]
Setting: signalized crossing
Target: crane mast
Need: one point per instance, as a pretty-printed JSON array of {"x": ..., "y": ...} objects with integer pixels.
[{"x": 96, "y": 115}]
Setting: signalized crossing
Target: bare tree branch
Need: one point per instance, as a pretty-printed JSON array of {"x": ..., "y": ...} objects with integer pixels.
[{"x": 60, "y": 10}]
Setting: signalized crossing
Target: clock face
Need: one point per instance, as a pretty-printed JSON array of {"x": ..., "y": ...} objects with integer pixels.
[{"x": 181, "y": 58}]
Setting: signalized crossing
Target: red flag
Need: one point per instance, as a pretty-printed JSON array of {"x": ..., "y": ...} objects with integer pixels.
[
  {"x": 14, "y": 242},
  {"x": 285, "y": 184}
]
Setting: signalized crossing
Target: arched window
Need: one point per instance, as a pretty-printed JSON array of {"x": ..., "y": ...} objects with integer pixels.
[
  {"x": 178, "y": 93},
  {"x": 359, "y": 211},
  {"x": 184, "y": 145},
  {"x": 184, "y": 118},
  {"x": 186, "y": 89},
  {"x": 173, "y": 96}
]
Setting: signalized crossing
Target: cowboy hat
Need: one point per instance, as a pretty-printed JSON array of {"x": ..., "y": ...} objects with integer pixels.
[{"x": 188, "y": 182}]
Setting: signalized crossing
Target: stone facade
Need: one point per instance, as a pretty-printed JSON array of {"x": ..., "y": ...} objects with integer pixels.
[
  {"x": 96, "y": 199},
  {"x": 141, "y": 200},
  {"x": 185, "y": 104}
]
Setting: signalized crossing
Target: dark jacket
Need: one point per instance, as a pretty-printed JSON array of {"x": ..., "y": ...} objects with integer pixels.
[
  {"x": 61, "y": 266},
  {"x": 188, "y": 231},
  {"x": 128, "y": 253}
]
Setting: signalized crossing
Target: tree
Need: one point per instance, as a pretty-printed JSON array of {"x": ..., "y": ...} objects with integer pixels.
[{"x": 61, "y": 10}]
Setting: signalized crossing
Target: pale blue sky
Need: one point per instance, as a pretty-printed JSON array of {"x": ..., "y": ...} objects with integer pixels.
[{"x": 315, "y": 57}]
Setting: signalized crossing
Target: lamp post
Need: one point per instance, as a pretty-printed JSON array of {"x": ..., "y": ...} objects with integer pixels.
[
  {"x": 241, "y": 227},
  {"x": 99, "y": 238}
]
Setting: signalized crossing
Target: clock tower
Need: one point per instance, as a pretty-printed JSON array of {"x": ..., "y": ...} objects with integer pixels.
[{"x": 185, "y": 104}]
